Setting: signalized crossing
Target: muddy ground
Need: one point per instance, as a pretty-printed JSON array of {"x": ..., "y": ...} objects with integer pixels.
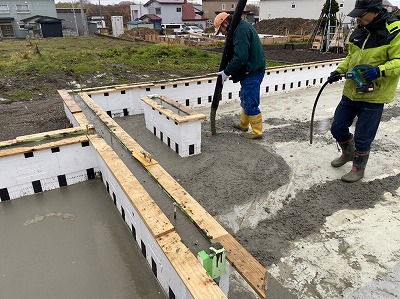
[{"x": 46, "y": 112}]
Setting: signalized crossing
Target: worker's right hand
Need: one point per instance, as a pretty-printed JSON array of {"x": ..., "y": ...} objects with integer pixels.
[
  {"x": 223, "y": 76},
  {"x": 334, "y": 76}
]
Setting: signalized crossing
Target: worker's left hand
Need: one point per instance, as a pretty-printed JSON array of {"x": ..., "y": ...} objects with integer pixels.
[
  {"x": 372, "y": 73},
  {"x": 223, "y": 76}
]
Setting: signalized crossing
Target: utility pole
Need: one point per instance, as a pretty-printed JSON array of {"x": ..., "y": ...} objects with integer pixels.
[
  {"x": 101, "y": 16},
  {"x": 329, "y": 27},
  {"x": 84, "y": 20},
  {"x": 76, "y": 23}
]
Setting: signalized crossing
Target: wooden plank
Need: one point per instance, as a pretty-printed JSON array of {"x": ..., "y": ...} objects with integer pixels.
[
  {"x": 246, "y": 265},
  {"x": 193, "y": 79},
  {"x": 191, "y": 115},
  {"x": 17, "y": 149},
  {"x": 81, "y": 119},
  {"x": 252, "y": 271},
  {"x": 69, "y": 101},
  {"x": 186, "y": 202},
  {"x": 74, "y": 108},
  {"x": 181, "y": 107},
  {"x": 189, "y": 269},
  {"x": 115, "y": 88},
  {"x": 56, "y": 134},
  {"x": 155, "y": 220},
  {"x": 132, "y": 146}
]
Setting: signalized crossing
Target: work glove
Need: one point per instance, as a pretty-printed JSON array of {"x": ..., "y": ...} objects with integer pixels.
[
  {"x": 372, "y": 73},
  {"x": 334, "y": 76},
  {"x": 223, "y": 76}
]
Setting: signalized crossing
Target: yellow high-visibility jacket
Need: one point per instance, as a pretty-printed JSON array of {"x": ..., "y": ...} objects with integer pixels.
[{"x": 377, "y": 44}]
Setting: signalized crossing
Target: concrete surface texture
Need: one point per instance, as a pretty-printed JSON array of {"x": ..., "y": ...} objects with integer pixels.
[
  {"x": 71, "y": 243},
  {"x": 318, "y": 236}
]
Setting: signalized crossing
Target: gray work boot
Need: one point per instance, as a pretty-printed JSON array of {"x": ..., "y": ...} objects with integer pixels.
[
  {"x": 357, "y": 172},
  {"x": 348, "y": 151}
]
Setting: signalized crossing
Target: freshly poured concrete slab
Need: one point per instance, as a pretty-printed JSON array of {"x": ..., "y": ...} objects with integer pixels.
[
  {"x": 70, "y": 243},
  {"x": 316, "y": 235}
]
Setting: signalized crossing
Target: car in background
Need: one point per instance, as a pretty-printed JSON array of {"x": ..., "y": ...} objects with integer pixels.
[
  {"x": 176, "y": 28},
  {"x": 192, "y": 29}
]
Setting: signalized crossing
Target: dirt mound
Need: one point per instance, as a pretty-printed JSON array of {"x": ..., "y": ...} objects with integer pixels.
[{"x": 286, "y": 26}]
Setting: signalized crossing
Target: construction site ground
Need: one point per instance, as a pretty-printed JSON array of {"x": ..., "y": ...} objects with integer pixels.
[
  {"x": 281, "y": 199},
  {"x": 45, "y": 112},
  {"x": 318, "y": 236}
]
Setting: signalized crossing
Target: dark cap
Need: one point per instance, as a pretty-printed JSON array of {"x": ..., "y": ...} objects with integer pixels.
[{"x": 364, "y": 6}]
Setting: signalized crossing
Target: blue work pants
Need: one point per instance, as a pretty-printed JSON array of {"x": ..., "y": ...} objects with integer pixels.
[
  {"x": 368, "y": 118},
  {"x": 250, "y": 94}
]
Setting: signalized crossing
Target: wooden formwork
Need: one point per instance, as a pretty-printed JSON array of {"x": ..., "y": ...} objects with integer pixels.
[
  {"x": 240, "y": 259},
  {"x": 188, "y": 39}
]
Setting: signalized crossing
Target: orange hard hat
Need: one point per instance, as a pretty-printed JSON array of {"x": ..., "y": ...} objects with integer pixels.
[{"x": 219, "y": 19}]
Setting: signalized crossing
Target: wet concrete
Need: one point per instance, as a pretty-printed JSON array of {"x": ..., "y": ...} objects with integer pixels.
[
  {"x": 71, "y": 243},
  {"x": 189, "y": 233},
  {"x": 281, "y": 199}
]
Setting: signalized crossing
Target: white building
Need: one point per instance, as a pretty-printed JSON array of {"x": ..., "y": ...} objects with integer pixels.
[
  {"x": 169, "y": 12},
  {"x": 306, "y": 9}
]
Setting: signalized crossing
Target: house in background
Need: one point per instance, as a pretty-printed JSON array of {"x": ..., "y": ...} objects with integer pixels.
[
  {"x": 39, "y": 26},
  {"x": 169, "y": 12},
  {"x": 38, "y": 14},
  {"x": 190, "y": 17},
  {"x": 74, "y": 23},
  {"x": 98, "y": 20},
  {"x": 151, "y": 19},
  {"x": 305, "y": 9},
  {"x": 97, "y": 25},
  {"x": 213, "y": 7}
]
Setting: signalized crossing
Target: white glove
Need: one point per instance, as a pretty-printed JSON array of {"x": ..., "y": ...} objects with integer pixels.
[{"x": 223, "y": 76}]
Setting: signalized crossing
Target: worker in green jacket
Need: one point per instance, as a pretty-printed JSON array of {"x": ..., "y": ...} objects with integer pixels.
[
  {"x": 375, "y": 43},
  {"x": 247, "y": 66}
]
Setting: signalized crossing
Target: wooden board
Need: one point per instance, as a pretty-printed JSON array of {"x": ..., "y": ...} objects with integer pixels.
[
  {"x": 116, "y": 88},
  {"x": 252, "y": 271},
  {"x": 190, "y": 115},
  {"x": 200, "y": 217},
  {"x": 246, "y": 265},
  {"x": 155, "y": 220},
  {"x": 186, "y": 265},
  {"x": 21, "y": 148},
  {"x": 69, "y": 101}
]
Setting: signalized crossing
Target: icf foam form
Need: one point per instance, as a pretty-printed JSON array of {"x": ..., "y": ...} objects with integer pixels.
[
  {"x": 24, "y": 172},
  {"x": 197, "y": 92},
  {"x": 177, "y": 126}
]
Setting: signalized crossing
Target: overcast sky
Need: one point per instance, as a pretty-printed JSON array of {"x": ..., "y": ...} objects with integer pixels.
[{"x": 395, "y": 2}]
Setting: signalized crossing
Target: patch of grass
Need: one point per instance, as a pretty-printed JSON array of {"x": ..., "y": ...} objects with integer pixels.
[
  {"x": 21, "y": 94},
  {"x": 54, "y": 62}
]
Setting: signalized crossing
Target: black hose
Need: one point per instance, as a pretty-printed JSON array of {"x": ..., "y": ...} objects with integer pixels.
[
  {"x": 313, "y": 111},
  {"x": 226, "y": 57}
]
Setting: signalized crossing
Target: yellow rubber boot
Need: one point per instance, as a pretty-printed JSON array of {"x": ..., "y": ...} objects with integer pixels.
[
  {"x": 256, "y": 125},
  {"x": 244, "y": 122}
]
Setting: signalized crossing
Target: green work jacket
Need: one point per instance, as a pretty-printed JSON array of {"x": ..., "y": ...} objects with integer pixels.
[
  {"x": 377, "y": 44},
  {"x": 248, "y": 57}
]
